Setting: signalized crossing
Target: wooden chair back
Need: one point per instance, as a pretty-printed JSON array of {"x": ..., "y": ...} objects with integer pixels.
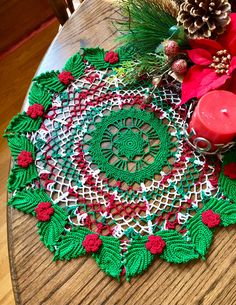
[{"x": 60, "y": 9}]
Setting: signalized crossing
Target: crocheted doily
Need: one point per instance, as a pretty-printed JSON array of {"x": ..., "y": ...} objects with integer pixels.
[{"x": 110, "y": 175}]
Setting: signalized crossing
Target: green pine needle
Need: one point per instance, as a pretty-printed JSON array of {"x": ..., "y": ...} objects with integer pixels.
[{"x": 146, "y": 25}]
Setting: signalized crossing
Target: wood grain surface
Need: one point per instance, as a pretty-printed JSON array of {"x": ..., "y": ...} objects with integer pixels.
[
  {"x": 15, "y": 77},
  {"x": 38, "y": 280}
]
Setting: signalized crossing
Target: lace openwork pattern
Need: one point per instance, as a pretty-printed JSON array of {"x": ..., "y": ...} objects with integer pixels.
[{"x": 111, "y": 175}]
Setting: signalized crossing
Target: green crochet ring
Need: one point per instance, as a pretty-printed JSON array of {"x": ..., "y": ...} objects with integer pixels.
[{"x": 128, "y": 146}]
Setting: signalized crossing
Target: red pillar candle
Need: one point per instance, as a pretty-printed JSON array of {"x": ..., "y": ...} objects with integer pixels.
[{"x": 214, "y": 119}]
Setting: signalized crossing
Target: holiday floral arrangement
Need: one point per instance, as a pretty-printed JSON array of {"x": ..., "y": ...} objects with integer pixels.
[{"x": 114, "y": 155}]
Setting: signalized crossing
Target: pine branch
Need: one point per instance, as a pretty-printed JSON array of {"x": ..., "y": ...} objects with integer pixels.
[
  {"x": 148, "y": 65},
  {"x": 146, "y": 24}
]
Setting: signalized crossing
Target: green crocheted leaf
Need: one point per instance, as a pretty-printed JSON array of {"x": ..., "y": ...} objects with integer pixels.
[
  {"x": 39, "y": 95},
  {"x": 201, "y": 236},
  {"x": 227, "y": 214},
  {"x": 109, "y": 256},
  {"x": 226, "y": 209},
  {"x": 50, "y": 80},
  {"x": 70, "y": 245},
  {"x": 18, "y": 143},
  {"x": 75, "y": 65},
  {"x": 23, "y": 123},
  {"x": 177, "y": 250},
  {"x": 27, "y": 200},
  {"x": 50, "y": 231},
  {"x": 20, "y": 177},
  {"x": 95, "y": 56},
  {"x": 227, "y": 185},
  {"x": 137, "y": 257}
]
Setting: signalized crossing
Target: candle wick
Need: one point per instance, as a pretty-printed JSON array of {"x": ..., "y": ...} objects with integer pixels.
[{"x": 225, "y": 112}]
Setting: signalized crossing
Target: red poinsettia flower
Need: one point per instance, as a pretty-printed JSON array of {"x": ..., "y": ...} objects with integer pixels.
[{"x": 215, "y": 64}]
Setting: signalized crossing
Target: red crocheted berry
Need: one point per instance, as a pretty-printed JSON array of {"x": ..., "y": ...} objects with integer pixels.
[
  {"x": 155, "y": 244},
  {"x": 111, "y": 57},
  {"x": 230, "y": 170},
  {"x": 35, "y": 111},
  {"x": 92, "y": 243},
  {"x": 210, "y": 219},
  {"x": 24, "y": 159},
  {"x": 44, "y": 211},
  {"x": 65, "y": 77}
]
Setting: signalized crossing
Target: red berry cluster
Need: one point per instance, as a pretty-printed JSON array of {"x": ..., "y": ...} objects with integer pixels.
[
  {"x": 92, "y": 243},
  {"x": 210, "y": 219},
  {"x": 111, "y": 57},
  {"x": 44, "y": 211},
  {"x": 155, "y": 244},
  {"x": 25, "y": 158},
  {"x": 35, "y": 111},
  {"x": 65, "y": 77}
]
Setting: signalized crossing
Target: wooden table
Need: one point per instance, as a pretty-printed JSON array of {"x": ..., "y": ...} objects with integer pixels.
[{"x": 38, "y": 280}]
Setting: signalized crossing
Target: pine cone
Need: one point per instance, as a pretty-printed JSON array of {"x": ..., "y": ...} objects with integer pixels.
[
  {"x": 204, "y": 18},
  {"x": 178, "y": 2},
  {"x": 169, "y": 6}
]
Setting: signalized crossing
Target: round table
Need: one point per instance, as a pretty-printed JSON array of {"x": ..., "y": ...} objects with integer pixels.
[{"x": 38, "y": 280}]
